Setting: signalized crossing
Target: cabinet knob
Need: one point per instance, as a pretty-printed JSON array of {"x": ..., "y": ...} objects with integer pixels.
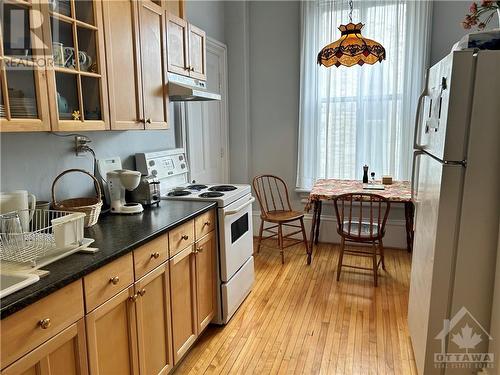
[
  {"x": 148, "y": 120},
  {"x": 191, "y": 68},
  {"x": 155, "y": 255},
  {"x": 199, "y": 249},
  {"x": 114, "y": 280},
  {"x": 44, "y": 323},
  {"x": 142, "y": 292},
  {"x": 206, "y": 224},
  {"x": 185, "y": 237},
  {"x": 133, "y": 298}
]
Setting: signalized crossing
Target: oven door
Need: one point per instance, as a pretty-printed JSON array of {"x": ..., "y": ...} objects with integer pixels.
[{"x": 236, "y": 236}]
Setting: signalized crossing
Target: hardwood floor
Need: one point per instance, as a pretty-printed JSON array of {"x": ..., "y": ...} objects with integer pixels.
[{"x": 298, "y": 319}]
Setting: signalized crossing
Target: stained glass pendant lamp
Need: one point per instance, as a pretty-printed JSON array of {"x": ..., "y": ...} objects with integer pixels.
[{"x": 352, "y": 48}]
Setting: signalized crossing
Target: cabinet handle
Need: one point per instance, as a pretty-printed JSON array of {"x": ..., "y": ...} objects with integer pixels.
[
  {"x": 199, "y": 250},
  {"x": 44, "y": 323},
  {"x": 185, "y": 237},
  {"x": 133, "y": 298},
  {"x": 206, "y": 223},
  {"x": 142, "y": 292},
  {"x": 148, "y": 120},
  {"x": 155, "y": 255},
  {"x": 114, "y": 280}
]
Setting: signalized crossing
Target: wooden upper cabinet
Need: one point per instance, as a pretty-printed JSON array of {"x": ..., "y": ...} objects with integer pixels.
[
  {"x": 23, "y": 60},
  {"x": 177, "y": 45},
  {"x": 154, "y": 325},
  {"x": 183, "y": 297},
  {"x": 197, "y": 53},
  {"x": 77, "y": 89},
  {"x": 123, "y": 62},
  {"x": 205, "y": 280},
  {"x": 65, "y": 353},
  {"x": 186, "y": 46},
  {"x": 112, "y": 336},
  {"x": 154, "y": 75}
]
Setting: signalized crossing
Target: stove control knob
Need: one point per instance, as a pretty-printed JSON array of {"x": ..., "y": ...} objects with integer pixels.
[
  {"x": 154, "y": 172},
  {"x": 151, "y": 163},
  {"x": 181, "y": 158},
  {"x": 183, "y": 166}
]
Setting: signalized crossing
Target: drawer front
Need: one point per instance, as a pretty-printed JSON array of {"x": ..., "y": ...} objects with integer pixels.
[
  {"x": 150, "y": 256},
  {"x": 107, "y": 281},
  {"x": 181, "y": 237},
  {"x": 204, "y": 224},
  {"x": 30, "y": 327}
]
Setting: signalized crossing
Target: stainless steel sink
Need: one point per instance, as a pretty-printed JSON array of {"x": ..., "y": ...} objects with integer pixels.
[{"x": 12, "y": 282}]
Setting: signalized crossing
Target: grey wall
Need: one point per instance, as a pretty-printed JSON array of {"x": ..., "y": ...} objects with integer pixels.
[
  {"x": 31, "y": 161},
  {"x": 207, "y": 15},
  {"x": 447, "y": 28}
]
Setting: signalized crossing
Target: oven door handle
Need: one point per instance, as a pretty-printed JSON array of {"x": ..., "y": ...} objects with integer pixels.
[{"x": 238, "y": 209}]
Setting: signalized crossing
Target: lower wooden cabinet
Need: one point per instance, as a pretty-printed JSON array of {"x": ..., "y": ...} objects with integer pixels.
[
  {"x": 65, "y": 353},
  {"x": 193, "y": 288},
  {"x": 112, "y": 336},
  {"x": 205, "y": 280},
  {"x": 183, "y": 295},
  {"x": 154, "y": 322}
]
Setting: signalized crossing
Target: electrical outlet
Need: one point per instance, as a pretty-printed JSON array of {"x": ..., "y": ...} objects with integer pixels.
[{"x": 81, "y": 145}]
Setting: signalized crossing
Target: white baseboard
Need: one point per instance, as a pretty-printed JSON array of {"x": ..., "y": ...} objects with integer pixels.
[{"x": 395, "y": 235}]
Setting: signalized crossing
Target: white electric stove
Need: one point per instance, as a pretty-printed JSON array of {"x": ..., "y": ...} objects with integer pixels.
[{"x": 234, "y": 217}]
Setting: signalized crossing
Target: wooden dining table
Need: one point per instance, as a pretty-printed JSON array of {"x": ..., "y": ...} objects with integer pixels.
[{"x": 328, "y": 189}]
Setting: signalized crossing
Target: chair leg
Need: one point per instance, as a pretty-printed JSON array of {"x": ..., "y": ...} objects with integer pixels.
[
  {"x": 341, "y": 256},
  {"x": 381, "y": 247},
  {"x": 280, "y": 243},
  {"x": 261, "y": 230},
  {"x": 375, "y": 266},
  {"x": 304, "y": 238}
]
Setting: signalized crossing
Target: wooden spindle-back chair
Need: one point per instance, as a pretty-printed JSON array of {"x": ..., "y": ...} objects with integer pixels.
[
  {"x": 363, "y": 224},
  {"x": 272, "y": 194}
]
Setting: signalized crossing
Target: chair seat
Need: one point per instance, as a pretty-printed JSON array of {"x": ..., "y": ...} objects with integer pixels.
[
  {"x": 282, "y": 216},
  {"x": 367, "y": 230}
]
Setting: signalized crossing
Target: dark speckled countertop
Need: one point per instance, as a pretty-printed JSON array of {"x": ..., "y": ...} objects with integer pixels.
[{"x": 115, "y": 235}]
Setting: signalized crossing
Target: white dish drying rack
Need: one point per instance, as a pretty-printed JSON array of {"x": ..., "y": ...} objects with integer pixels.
[{"x": 52, "y": 235}]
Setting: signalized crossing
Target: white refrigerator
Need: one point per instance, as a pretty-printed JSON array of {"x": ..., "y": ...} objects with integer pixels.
[{"x": 456, "y": 185}]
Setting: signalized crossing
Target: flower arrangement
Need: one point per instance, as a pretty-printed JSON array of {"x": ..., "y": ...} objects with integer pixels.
[{"x": 486, "y": 8}]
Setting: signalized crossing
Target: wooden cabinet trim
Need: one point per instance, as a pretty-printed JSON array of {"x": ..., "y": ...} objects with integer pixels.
[
  {"x": 91, "y": 320},
  {"x": 150, "y": 255},
  {"x": 115, "y": 123},
  {"x": 181, "y": 23},
  {"x": 201, "y": 75},
  {"x": 205, "y": 253},
  {"x": 141, "y": 286},
  {"x": 22, "y": 331},
  {"x": 41, "y": 353},
  {"x": 99, "y": 286}
]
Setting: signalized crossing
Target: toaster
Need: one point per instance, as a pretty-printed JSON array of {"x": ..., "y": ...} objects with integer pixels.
[{"x": 148, "y": 191}]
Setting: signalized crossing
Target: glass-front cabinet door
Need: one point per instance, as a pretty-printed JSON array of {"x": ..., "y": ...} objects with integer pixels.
[
  {"x": 23, "y": 86},
  {"x": 77, "y": 86}
]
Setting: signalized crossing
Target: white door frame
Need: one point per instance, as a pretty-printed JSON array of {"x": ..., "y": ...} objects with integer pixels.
[{"x": 219, "y": 49}]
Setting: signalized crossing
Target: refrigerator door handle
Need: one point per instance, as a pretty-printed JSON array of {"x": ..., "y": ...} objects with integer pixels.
[
  {"x": 413, "y": 174},
  {"x": 417, "y": 145}
]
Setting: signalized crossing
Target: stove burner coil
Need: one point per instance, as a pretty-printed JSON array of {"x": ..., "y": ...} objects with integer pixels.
[
  {"x": 178, "y": 193},
  {"x": 211, "y": 194},
  {"x": 222, "y": 188},
  {"x": 197, "y": 187}
]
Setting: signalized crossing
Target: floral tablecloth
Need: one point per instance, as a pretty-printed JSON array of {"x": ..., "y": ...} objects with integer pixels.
[{"x": 327, "y": 189}]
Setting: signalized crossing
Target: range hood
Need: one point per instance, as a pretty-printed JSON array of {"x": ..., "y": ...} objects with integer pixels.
[{"x": 186, "y": 89}]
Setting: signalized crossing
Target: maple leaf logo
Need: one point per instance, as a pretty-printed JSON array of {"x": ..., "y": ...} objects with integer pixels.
[{"x": 467, "y": 339}]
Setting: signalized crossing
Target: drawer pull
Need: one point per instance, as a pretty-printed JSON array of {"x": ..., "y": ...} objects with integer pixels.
[
  {"x": 142, "y": 292},
  {"x": 185, "y": 237},
  {"x": 133, "y": 298},
  {"x": 155, "y": 255},
  {"x": 206, "y": 224},
  {"x": 148, "y": 121},
  {"x": 199, "y": 250},
  {"x": 44, "y": 323},
  {"x": 114, "y": 280}
]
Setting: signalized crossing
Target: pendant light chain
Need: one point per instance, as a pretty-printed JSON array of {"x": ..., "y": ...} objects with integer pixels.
[{"x": 350, "y": 10}]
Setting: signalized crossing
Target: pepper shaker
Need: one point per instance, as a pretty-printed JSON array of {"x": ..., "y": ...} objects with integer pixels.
[{"x": 365, "y": 174}]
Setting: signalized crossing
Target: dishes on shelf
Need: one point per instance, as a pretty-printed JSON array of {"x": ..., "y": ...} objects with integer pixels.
[{"x": 2, "y": 110}]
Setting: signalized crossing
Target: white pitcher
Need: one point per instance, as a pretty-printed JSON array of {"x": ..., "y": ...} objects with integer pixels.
[{"x": 18, "y": 200}]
